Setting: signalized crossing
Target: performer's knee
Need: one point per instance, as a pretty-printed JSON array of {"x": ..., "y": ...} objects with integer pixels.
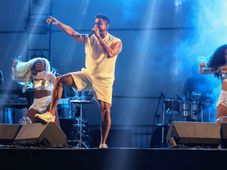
[
  {"x": 106, "y": 115},
  {"x": 59, "y": 87},
  {"x": 59, "y": 82}
]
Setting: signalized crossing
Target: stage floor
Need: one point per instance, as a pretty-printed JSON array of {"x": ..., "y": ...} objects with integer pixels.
[{"x": 113, "y": 158}]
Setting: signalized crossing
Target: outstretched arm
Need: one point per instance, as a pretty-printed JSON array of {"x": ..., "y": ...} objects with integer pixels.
[
  {"x": 17, "y": 76},
  {"x": 206, "y": 70},
  {"x": 67, "y": 29}
]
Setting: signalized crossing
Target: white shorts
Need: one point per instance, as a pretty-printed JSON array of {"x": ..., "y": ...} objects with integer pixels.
[
  {"x": 102, "y": 88},
  {"x": 41, "y": 104},
  {"x": 222, "y": 98}
]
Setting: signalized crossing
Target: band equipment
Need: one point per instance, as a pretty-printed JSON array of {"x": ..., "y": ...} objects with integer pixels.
[
  {"x": 42, "y": 134},
  {"x": 193, "y": 134}
]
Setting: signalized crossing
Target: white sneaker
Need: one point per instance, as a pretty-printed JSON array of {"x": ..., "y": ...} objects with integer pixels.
[
  {"x": 46, "y": 117},
  {"x": 103, "y": 146}
]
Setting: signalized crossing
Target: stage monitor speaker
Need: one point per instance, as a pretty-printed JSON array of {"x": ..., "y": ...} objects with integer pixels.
[
  {"x": 8, "y": 132},
  {"x": 49, "y": 134},
  {"x": 193, "y": 134}
]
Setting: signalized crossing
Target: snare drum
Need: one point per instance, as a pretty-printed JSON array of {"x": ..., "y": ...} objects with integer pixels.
[
  {"x": 195, "y": 107},
  {"x": 65, "y": 112},
  {"x": 191, "y": 110},
  {"x": 83, "y": 95}
]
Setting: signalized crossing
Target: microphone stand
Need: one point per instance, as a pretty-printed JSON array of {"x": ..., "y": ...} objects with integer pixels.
[{"x": 156, "y": 115}]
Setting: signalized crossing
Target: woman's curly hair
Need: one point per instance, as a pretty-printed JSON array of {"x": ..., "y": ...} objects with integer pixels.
[{"x": 218, "y": 58}]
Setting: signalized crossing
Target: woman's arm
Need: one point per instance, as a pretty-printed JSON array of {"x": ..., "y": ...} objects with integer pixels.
[
  {"x": 206, "y": 70},
  {"x": 51, "y": 77},
  {"x": 17, "y": 76}
]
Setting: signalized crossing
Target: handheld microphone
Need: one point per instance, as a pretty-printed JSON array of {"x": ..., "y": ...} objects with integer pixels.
[{"x": 91, "y": 33}]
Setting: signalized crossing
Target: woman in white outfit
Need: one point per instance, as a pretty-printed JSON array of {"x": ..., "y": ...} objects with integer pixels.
[
  {"x": 37, "y": 71},
  {"x": 217, "y": 65}
]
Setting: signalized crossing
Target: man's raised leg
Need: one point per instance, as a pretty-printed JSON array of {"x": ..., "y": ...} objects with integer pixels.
[{"x": 61, "y": 81}]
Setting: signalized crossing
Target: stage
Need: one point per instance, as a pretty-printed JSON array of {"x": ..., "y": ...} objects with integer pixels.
[
  {"x": 121, "y": 71},
  {"x": 113, "y": 158}
]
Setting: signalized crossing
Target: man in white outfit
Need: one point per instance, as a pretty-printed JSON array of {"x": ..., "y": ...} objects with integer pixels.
[{"x": 101, "y": 49}]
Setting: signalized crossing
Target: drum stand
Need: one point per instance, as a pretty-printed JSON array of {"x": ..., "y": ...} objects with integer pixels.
[
  {"x": 156, "y": 115},
  {"x": 163, "y": 125},
  {"x": 80, "y": 125}
]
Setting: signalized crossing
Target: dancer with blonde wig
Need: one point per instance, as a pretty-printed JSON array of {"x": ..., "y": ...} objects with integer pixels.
[{"x": 37, "y": 71}]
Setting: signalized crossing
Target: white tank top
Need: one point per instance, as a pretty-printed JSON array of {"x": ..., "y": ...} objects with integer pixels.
[{"x": 97, "y": 62}]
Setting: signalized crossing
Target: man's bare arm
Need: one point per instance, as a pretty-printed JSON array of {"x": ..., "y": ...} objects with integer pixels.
[
  {"x": 111, "y": 50},
  {"x": 67, "y": 29}
]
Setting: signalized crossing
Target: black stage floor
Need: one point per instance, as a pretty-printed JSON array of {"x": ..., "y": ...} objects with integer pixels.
[{"x": 111, "y": 159}]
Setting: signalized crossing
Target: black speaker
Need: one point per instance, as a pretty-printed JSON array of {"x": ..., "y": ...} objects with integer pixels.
[
  {"x": 8, "y": 133},
  {"x": 68, "y": 128},
  {"x": 49, "y": 134},
  {"x": 158, "y": 138},
  {"x": 223, "y": 133},
  {"x": 193, "y": 134}
]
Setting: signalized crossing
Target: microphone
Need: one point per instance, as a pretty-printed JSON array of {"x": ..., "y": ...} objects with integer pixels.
[
  {"x": 178, "y": 97},
  {"x": 91, "y": 33},
  {"x": 162, "y": 94}
]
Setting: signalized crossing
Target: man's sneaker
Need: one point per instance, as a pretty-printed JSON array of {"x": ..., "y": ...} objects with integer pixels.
[
  {"x": 46, "y": 117},
  {"x": 103, "y": 146}
]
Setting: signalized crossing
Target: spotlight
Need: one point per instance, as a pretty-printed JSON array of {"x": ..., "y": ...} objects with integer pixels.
[{"x": 178, "y": 3}]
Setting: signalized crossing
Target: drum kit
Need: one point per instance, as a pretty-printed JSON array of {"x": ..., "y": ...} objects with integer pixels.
[
  {"x": 189, "y": 109},
  {"x": 67, "y": 110}
]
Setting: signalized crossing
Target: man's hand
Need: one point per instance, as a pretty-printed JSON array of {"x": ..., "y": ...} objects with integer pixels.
[
  {"x": 96, "y": 31},
  {"x": 51, "y": 19},
  {"x": 67, "y": 29}
]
